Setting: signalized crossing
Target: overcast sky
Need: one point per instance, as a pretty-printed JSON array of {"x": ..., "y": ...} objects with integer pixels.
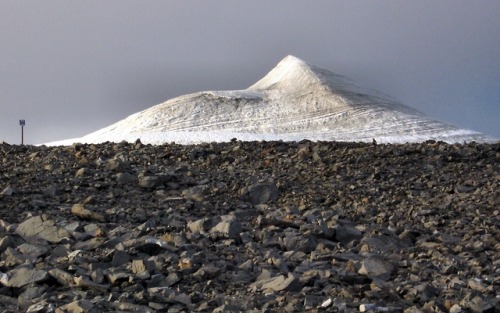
[{"x": 71, "y": 67}]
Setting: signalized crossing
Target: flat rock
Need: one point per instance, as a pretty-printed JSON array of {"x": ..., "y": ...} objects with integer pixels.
[
  {"x": 282, "y": 283},
  {"x": 229, "y": 227},
  {"x": 377, "y": 267},
  {"x": 41, "y": 227},
  {"x": 23, "y": 276}
]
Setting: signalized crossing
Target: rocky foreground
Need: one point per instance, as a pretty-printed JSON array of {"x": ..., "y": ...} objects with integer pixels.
[{"x": 250, "y": 227}]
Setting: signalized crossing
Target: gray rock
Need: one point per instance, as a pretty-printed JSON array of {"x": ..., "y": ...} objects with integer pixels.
[
  {"x": 229, "y": 227},
  {"x": 304, "y": 244},
  {"x": 23, "y": 276},
  {"x": 465, "y": 189},
  {"x": 63, "y": 277},
  {"x": 9, "y": 304},
  {"x": 88, "y": 245},
  {"x": 345, "y": 234},
  {"x": 131, "y": 307},
  {"x": 478, "y": 305},
  {"x": 149, "y": 182},
  {"x": 172, "y": 279},
  {"x": 125, "y": 178},
  {"x": 194, "y": 193},
  {"x": 207, "y": 272},
  {"x": 10, "y": 241},
  {"x": 282, "y": 283},
  {"x": 377, "y": 267},
  {"x": 117, "y": 277},
  {"x": 115, "y": 164},
  {"x": 203, "y": 225},
  {"x": 93, "y": 230},
  {"x": 424, "y": 292},
  {"x": 147, "y": 226},
  {"x": 32, "y": 250},
  {"x": 84, "y": 282},
  {"x": 32, "y": 294},
  {"x": 42, "y": 227},
  {"x": 14, "y": 257},
  {"x": 120, "y": 258},
  {"x": 52, "y": 191},
  {"x": 80, "y": 306},
  {"x": 262, "y": 193},
  {"x": 225, "y": 308},
  {"x": 385, "y": 243}
]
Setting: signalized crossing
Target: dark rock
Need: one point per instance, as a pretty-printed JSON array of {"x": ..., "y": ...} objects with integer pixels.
[
  {"x": 126, "y": 178},
  {"x": 52, "y": 191},
  {"x": 304, "y": 244},
  {"x": 8, "y": 191},
  {"x": 8, "y": 304},
  {"x": 33, "y": 294},
  {"x": 10, "y": 241},
  {"x": 120, "y": 258},
  {"x": 262, "y": 193},
  {"x": 345, "y": 234}
]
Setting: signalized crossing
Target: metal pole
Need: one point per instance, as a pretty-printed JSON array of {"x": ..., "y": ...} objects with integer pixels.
[{"x": 22, "y": 123}]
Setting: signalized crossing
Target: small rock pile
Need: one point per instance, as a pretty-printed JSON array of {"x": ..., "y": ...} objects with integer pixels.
[{"x": 250, "y": 227}]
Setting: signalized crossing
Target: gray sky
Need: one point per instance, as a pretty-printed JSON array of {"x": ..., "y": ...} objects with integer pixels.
[{"x": 72, "y": 67}]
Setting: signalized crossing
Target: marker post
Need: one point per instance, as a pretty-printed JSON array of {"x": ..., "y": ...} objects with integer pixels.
[{"x": 22, "y": 123}]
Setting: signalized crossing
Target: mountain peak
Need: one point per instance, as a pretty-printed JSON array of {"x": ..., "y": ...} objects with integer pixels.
[
  {"x": 294, "y": 101},
  {"x": 293, "y": 75},
  {"x": 289, "y": 71},
  {"x": 291, "y": 60}
]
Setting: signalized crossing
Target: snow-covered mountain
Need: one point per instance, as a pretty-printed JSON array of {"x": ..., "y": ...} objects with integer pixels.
[{"x": 294, "y": 101}]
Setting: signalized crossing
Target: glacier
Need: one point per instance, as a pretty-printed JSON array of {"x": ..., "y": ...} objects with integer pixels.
[{"x": 294, "y": 101}]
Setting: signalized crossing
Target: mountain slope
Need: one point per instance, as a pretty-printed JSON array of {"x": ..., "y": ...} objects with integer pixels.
[{"x": 294, "y": 101}]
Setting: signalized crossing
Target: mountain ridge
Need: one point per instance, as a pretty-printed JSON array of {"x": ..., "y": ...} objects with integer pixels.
[{"x": 294, "y": 101}]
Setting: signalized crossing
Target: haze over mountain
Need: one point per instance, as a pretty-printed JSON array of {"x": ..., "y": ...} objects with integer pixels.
[{"x": 294, "y": 101}]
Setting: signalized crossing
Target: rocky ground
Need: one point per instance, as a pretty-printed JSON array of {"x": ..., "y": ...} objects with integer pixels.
[{"x": 250, "y": 227}]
